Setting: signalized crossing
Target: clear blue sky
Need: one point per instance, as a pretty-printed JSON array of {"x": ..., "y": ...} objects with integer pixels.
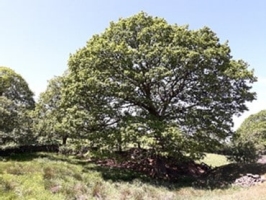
[{"x": 37, "y": 36}]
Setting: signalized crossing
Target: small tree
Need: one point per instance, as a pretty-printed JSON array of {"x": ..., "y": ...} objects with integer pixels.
[
  {"x": 50, "y": 119},
  {"x": 253, "y": 129},
  {"x": 250, "y": 139}
]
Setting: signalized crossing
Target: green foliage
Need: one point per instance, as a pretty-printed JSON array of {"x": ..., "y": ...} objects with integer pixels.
[
  {"x": 250, "y": 139},
  {"x": 16, "y": 103},
  {"x": 8, "y": 115},
  {"x": 15, "y": 88},
  {"x": 243, "y": 152},
  {"x": 148, "y": 77},
  {"x": 51, "y": 122},
  {"x": 253, "y": 129}
]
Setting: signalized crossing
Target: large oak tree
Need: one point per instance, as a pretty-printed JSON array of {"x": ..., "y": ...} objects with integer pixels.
[{"x": 163, "y": 86}]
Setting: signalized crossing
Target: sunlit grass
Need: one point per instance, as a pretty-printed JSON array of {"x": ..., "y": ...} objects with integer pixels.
[
  {"x": 233, "y": 193},
  {"x": 215, "y": 160}
]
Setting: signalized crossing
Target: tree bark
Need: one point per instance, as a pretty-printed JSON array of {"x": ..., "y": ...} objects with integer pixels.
[{"x": 64, "y": 140}]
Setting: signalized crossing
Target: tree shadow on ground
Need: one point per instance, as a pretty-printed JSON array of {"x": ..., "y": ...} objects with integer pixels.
[
  {"x": 129, "y": 175},
  {"x": 26, "y": 152},
  {"x": 217, "y": 178},
  {"x": 225, "y": 176},
  {"x": 147, "y": 168},
  {"x": 21, "y": 157}
]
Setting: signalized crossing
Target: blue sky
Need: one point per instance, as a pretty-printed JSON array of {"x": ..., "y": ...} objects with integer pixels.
[{"x": 37, "y": 36}]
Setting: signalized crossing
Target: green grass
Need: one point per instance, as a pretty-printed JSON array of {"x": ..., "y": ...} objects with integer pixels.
[
  {"x": 49, "y": 176},
  {"x": 215, "y": 160}
]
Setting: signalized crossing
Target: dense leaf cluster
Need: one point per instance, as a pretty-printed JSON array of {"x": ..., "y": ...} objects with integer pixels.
[
  {"x": 250, "y": 139},
  {"x": 16, "y": 101}
]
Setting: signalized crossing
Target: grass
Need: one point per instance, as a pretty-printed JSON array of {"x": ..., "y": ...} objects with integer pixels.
[
  {"x": 233, "y": 193},
  {"x": 215, "y": 160},
  {"x": 50, "y": 176}
]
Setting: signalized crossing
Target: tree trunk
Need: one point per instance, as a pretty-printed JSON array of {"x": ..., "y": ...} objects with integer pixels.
[
  {"x": 139, "y": 146},
  {"x": 119, "y": 148},
  {"x": 64, "y": 140}
]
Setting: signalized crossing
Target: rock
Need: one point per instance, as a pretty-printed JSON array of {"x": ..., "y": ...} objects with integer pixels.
[
  {"x": 249, "y": 180},
  {"x": 262, "y": 159}
]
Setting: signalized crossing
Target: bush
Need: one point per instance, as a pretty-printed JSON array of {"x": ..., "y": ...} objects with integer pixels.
[
  {"x": 243, "y": 152},
  {"x": 66, "y": 150}
]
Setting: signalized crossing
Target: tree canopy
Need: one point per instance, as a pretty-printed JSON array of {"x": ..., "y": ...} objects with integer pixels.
[
  {"x": 16, "y": 100},
  {"x": 253, "y": 129},
  {"x": 143, "y": 79},
  {"x": 50, "y": 118},
  {"x": 249, "y": 141},
  {"x": 15, "y": 88}
]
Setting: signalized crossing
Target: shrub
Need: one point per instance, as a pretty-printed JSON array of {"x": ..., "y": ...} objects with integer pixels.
[{"x": 243, "y": 152}]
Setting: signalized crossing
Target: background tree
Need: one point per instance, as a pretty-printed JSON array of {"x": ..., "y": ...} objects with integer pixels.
[
  {"x": 254, "y": 129},
  {"x": 250, "y": 138},
  {"x": 174, "y": 88},
  {"x": 50, "y": 119},
  {"x": 16, "y": 102}
]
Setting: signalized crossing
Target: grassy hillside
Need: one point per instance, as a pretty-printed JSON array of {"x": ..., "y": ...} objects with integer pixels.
[{"x": 49, "y": 176}]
